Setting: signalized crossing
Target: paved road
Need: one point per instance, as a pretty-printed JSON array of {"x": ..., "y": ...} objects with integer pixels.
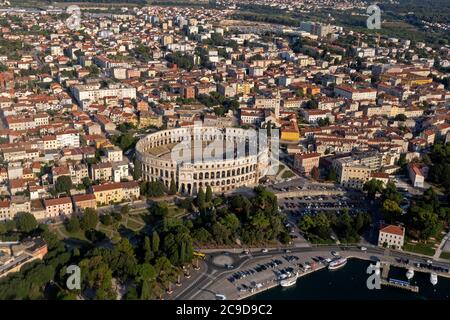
[{"x": 217, "y": 274}]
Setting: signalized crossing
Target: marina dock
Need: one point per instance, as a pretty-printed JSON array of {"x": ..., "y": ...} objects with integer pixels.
[{"x": 400, "y": 284}]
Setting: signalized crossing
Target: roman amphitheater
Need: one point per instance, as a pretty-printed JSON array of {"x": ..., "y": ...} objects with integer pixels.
[{"x": 198, "y": 156}]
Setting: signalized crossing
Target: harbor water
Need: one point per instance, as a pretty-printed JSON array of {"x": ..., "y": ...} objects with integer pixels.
[{"x": 349, "y": 282}]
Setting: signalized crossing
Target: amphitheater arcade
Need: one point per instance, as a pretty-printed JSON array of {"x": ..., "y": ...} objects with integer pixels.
[{"x": 244, "y": 164}]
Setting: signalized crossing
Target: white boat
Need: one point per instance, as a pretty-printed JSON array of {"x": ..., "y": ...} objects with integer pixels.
[
  {"x": 433, "y": 278},
  {"x": 410, "y": 274},
  {"x": 337, "y": 263},
  {"x": 290, "y": 281}
]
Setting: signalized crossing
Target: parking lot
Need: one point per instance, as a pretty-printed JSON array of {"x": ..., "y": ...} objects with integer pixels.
[
  {"x": 302, "y": 184},
  {"x": 299, "y": 206},
  {"x": 275, "y": 268}
]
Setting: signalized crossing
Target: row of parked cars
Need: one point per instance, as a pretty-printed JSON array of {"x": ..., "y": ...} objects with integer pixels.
[
  {"x": 291, "y": 258},
  {"x": 241, "y": 274},
  {"x": 424, "y": 265},
  {"x": 261, "y": 267},
  {"x": 269, "y": 265},
  {"x": 431, "y": 267}
]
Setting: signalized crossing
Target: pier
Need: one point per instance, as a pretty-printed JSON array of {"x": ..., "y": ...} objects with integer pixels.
[{"x": 395, "y": 282}]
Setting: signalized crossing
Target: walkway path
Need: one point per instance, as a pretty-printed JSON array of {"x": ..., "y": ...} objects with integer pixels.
[{"x": 442, "y": 245}]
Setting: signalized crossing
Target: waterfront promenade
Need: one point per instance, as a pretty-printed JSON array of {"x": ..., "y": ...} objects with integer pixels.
[{"x": 215, "y": 281}]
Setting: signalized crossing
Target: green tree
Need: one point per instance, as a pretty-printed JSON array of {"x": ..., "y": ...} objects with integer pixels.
[
  {"x": 73, "y": 224},
  {"x": 2, "y": 228},
  {"x": 148, "y": 253},
  {"x": 390, "y": 192},
  {"x": 172, "y": 187},
  {"x": 400, "y": 117},
  {"x": 315, "y": 173},
  {"x": 86, "y": 183},
  {"x": 89, "y": 219},
  {"x": 231, "y": 222},
  {"x": 97, "y": 276},
  {"x": 63, "y": 184},
  {"x": 155, "y": 242},
  {"x": 208, "y": 196},
  {"x": 137, "y": 169},
  {"x": 25, "y": 222},
  {"x": 391, "y": 211},
  {"x": 373, "y": 187},
  {"x": 122, "y": 260},
  {"x": 106, "y": 219},
  {"x": 402, "y": 160},
  {"x": 200, "y": 200}
]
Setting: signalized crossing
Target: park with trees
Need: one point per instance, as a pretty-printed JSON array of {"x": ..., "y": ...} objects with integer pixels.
[{"x": 144, "y": 262}]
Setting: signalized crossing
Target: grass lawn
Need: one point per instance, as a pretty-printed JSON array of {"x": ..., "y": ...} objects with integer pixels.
[
  {"x": 62, "y": 233},
  {"x": 174, "y": 211},
  {"x": 422, "y": 248},
  {"x": 134, "y": 225},
  {"x": 287, "y": 174},
  {"x": 445, "y": 255}
]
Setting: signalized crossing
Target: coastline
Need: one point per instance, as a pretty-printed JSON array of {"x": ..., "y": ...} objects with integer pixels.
[
  {"x": 275, "y": 283},
  {"x": 238, "y": 284}
]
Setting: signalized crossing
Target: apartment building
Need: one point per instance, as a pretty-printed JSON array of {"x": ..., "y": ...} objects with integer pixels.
[
  {"x": 306, "y": 162},
  {"x": 101, "y": 171},
  {"x": 114, "y": 154},
  {"x": 116, "y": 192},
  {"x": 57, "y": 207},
  {"x": 356, "y": 94},
  {"x": 10, "y": 208},
  {"x": 68, "y": 138},
  {"x": 19, "y": 154},
  {"x": 120, "y": 171},
  {"x": 316, "y": 28},
  {"x": 95, "y": 93},
  {"x": 314, "y": 115},
  {"x": 415, "y": 175},
  {"x": 355, "y": 170},
  {"x": 83, "y": 201},
  {"x": 148, "y": 118},
  {"x": 78, "y": 172},
  {"x": 20, "y": 123},
  {"x": 268, "y": 103},
  {"x": 50, "y": 142}
]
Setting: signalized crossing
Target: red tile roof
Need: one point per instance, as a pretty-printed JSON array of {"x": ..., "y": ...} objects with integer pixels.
[{"x": 393, "y": 230}]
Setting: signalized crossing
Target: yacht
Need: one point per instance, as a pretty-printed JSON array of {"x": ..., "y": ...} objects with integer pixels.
[
  {"x": 433, "y": 278},
  {"x": 410, "y": 274},
  {"x": 289, "y": 281},
  {"x": 337, "y": 263}
]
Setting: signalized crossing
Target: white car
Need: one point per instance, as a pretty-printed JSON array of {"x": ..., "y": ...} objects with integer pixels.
[
  {"x": 363, "y": 249},
  {"x": 264, "y": 250}
]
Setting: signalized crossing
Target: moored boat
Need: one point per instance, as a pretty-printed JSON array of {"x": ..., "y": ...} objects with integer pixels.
[
  {"x": 433, "y": 278},
  {"x": 410, "y": 274},
  {"x": 289, "y": 281},
  {"x": 337, "y": 263}
]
